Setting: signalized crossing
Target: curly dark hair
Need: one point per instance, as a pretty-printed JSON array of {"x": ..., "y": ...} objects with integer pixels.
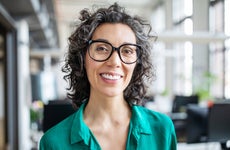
[{"x": 79, "y": 87}]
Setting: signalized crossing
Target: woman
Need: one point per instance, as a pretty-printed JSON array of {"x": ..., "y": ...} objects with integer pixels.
[{"x": 106, "y": 65}]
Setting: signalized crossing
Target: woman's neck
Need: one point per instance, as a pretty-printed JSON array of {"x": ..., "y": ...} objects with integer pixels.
[
  {"x": 108, "y": 119},
  {"x": 106, "y": 110}
]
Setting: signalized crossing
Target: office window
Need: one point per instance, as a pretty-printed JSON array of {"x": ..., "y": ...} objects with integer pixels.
[
  {"x": 227, "y": 50},
  {"x": 216, "y": 64},
  {"x": 227, "y": 74},
  {"x": 183, "y": 51},
  {"x": 219, "y": 52}
]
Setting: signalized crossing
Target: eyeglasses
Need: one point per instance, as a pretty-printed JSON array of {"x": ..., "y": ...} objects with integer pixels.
[{"x": 100, "y": 51}]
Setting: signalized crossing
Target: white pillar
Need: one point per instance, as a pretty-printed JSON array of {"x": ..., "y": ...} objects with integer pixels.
[
  {"x": 24, "y": 93},
  {"x": 200, "y": 51}
]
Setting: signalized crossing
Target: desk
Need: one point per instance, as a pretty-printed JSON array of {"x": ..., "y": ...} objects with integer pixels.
[{"x": 199, "y": 146}]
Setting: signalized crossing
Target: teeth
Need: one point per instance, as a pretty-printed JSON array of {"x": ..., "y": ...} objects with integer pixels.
[{"x": 111, "y": 77}]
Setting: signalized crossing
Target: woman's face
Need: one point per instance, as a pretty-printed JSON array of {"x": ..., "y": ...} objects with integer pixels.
[{"x": 111, "y": 77}]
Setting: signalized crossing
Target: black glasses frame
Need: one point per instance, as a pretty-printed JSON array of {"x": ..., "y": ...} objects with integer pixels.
[{"x": 114, "y": 49}]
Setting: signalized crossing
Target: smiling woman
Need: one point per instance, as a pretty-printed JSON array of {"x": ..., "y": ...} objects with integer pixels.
[{"x": 106, "y": 65}]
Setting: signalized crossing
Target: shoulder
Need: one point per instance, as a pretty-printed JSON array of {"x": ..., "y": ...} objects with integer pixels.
[
  {"x": 58, "y": 133},
  {"x": 156, "y": 128},
  {"x": 154, "y": 118},
  {"x": 152, "y": 115}
]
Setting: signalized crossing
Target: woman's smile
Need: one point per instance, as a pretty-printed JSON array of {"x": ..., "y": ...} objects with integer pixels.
[{"x": 111, "y": 76}]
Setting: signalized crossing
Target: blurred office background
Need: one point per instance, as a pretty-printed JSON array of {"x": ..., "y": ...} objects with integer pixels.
[{"x": 191, "y": 57}]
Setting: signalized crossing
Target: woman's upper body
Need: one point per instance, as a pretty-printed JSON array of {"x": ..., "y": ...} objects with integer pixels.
[
  {"x": 148, "y": 130},
  {"x": 108, "y": 62}
]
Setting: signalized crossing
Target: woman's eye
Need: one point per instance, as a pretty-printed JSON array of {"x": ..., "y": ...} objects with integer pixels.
[
  {"x": 101, "y": 48},
  {"x": 128, "y": 51}
]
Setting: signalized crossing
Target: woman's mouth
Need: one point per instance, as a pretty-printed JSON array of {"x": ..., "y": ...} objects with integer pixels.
[{"x": 111, "y": 76}]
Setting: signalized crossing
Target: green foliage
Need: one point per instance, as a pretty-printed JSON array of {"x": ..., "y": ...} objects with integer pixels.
[
  {"x": 165, "y": 92},
  {"x": 36, "y": 111},
  {"x": 34, "y": 115},
  {"x": 203, "y": 90}
]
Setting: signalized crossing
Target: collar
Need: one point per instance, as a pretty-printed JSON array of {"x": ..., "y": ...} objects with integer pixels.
[
  {"x": 79, "y": 130},
  {"x": 139, "y": 122}
]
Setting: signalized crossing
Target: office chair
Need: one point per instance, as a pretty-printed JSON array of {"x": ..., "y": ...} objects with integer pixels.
[
  {"x": 56, "y": 111},
  {"x": 180, "y": 102}
]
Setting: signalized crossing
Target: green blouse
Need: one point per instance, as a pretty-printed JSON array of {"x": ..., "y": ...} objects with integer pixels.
[{"x": 148, "y": 130}]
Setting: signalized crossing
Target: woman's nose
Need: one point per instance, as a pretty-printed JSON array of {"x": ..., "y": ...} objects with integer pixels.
[{"x": 114, "y": 60}]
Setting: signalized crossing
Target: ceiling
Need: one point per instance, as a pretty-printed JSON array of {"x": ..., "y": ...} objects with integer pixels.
[
  {"x": 51, "y": 21},
  {"x": 40, "y": 17}
]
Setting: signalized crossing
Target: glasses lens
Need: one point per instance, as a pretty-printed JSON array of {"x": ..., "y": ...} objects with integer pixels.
[
  {"x": 129, "y": 53},
  {"x": 100, "y": 51}
]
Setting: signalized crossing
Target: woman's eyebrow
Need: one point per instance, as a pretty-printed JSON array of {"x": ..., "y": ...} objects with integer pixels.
[{"x": 104, "y": 40}]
